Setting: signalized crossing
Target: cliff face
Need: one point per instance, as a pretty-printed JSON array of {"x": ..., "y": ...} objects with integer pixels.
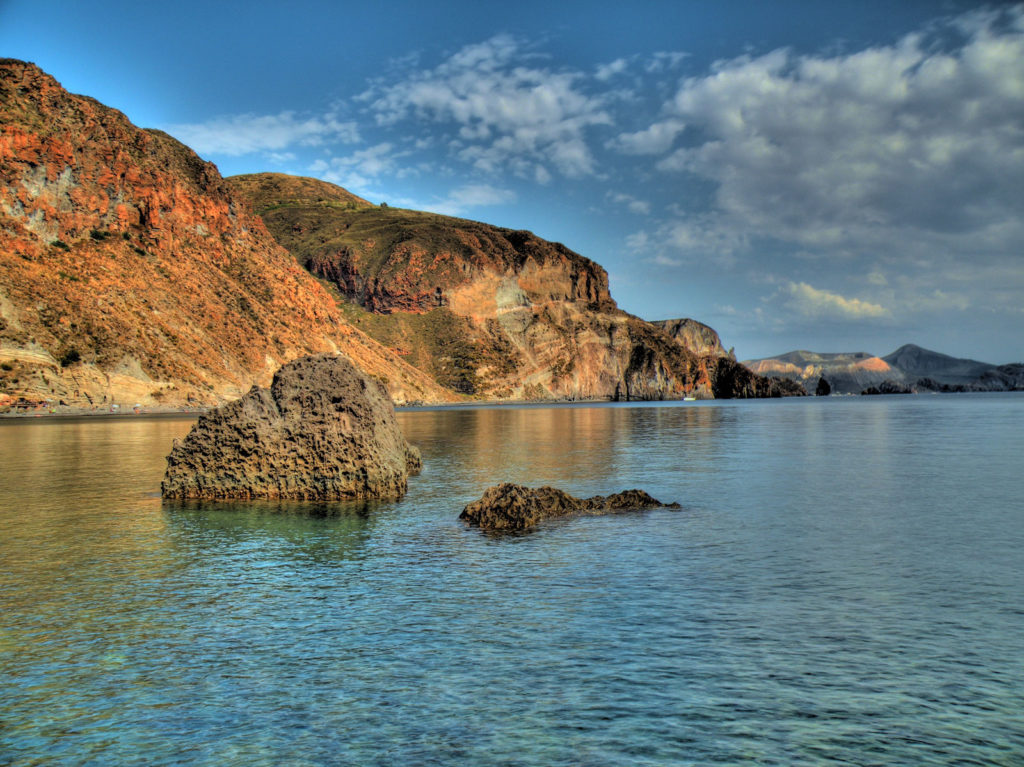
[
  {"x": 128, "y": 273},
  {"x": 484, "y": 310},
  {"x": 695, "y": 336}
]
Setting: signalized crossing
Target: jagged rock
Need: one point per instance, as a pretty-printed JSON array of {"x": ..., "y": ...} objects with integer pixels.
[
  {"x": 509, "y": 507},
  {"x": 322, "y": 431},
  {"x": 823, "y": 389}
]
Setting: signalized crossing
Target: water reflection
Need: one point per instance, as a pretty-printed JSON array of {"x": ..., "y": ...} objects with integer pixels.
[
  {"x": 584, "y": 450},
  {"x": 313, "y": 533}
]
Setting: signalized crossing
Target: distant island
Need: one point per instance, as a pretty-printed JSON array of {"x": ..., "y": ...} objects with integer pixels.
[{"x": 908, "y": 369}]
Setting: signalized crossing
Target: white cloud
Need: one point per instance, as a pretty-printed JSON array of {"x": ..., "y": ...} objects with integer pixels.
[
  {"x": 812, "y": 302},
  {"x": 910, "y": 155},
  {"x": 609, "y": 70},
  {"x": 664, "y": 60},
  {"x": 632, "y": 204},
  {"x": 357, "y": 171},
  {"x": 857, "y": 147},
  {"x": 655, "y": 139},
  {"x": 236, "y": 135},
  {"x": 465, "y": 198},
  {"x": 503, "y": 112},
  {"x": 638, "y": 242}
]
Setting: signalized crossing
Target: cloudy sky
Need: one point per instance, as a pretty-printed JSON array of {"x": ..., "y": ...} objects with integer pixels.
[{"x": 803, "y": 175}]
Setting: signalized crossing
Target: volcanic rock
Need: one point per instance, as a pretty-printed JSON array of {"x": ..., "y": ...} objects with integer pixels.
[
  {"x": 699, "y": 338},
  {"x": 510, "y": 507},
  {"x": 322, "y": 431}
]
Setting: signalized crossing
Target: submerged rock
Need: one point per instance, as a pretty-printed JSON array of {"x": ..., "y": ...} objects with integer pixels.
[
  {"x": 322, "y": 431},
  {"x": 515, "y": 507}
]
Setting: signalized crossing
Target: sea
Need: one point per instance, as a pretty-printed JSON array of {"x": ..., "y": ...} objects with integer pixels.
[{"x": 844, "y": 584}]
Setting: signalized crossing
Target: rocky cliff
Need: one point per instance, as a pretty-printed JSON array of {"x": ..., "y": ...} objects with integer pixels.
[
  {"x": 483, "y": 310},
  {"x": 699, "y": 338},
  {"x": 129, "y": 273}
]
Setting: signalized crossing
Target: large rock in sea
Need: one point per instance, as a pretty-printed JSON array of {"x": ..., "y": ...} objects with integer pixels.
[
  {"x": 322, "y": 431},
  {"x": 509, "y": 507}
]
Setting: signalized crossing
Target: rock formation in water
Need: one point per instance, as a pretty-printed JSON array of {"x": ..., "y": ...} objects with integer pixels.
[
  {"x": 322, "y": 431},
  {"x": 823, "y": 389},
  {"x": 510, "y": 507},
  {"x": 485, "y": 311},
  {"x": 129, "y": 273}
]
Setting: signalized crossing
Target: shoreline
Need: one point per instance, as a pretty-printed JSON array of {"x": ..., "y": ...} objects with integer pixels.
[
  {"x": 171, "y": 412},
  {"x": 68, "y": 413}
]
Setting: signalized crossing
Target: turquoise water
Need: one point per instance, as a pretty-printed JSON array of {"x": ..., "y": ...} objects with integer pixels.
[{"x": 842, "y": 586}]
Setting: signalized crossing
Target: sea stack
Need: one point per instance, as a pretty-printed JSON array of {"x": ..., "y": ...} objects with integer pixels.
[
  {"x": 322, "y": 431},
  {"x": 509, "y": 507}
]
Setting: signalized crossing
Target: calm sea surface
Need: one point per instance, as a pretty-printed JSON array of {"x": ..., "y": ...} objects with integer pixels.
[{"x": 844, "y": 585}]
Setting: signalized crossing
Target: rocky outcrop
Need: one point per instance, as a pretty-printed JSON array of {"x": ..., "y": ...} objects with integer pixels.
[
  {"x": 322, "y": 431},
  {"x": 1002, "y": 378},
  {"x": 508, "y": 507},
  {"x": 699, "y": 338},
  {"x": 732, "y": 380},
  {"x": 129, "y": 273}
]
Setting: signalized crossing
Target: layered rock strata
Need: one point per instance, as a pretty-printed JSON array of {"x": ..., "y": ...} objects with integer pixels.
[
  {"x": 510, "y": 507},
  {"x": 322, "y": 431}
]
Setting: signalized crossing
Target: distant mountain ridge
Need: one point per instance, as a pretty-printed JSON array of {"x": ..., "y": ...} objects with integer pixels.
[
  {"x": 908, "y": 368},
  {"x": 916, "y": 362}
]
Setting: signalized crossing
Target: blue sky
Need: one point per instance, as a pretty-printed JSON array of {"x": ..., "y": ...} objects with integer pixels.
[{"x": 802, "y": 175}]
